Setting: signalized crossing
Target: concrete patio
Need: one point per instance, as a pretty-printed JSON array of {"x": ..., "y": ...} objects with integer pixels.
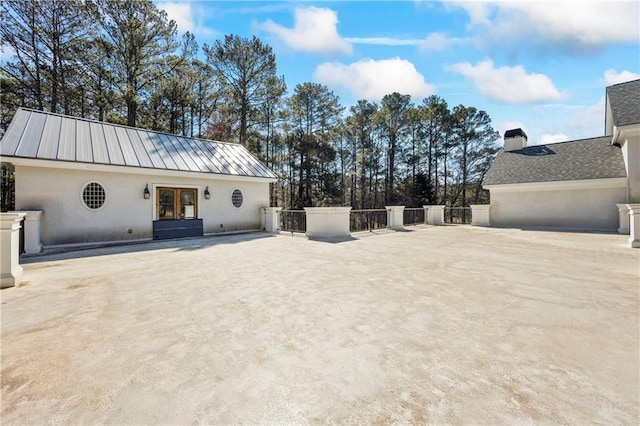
[{"x": 434, "y": 325}]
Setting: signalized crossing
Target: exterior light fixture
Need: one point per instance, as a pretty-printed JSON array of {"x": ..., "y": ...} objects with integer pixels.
[
  {"x": 146, "y": 193},
  {"x": 207, "y": 194}
]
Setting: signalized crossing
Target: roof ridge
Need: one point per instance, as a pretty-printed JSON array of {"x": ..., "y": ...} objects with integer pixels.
[
  {"x": 570, "y": 141},
  {"x": 72, "y": 117}
]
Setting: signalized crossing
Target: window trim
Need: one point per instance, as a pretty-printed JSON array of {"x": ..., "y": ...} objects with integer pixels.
[
  {"x": 241, "y": 194},
  {"x": 176, "y": 200},
  {"x": 82, "y": 200}
]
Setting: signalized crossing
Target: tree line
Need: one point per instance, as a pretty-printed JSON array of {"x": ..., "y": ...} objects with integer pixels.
[{"x": 122, "y": 61}]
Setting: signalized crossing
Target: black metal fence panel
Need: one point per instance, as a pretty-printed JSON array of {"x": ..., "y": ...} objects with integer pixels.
[
  {"x": 7, "y": 189},
  {"x": 457, "y": 215},
  {"x": 293, "y": 221},
  {"x": 368, "y": 220},
  {"x": 413, "y": 216}
]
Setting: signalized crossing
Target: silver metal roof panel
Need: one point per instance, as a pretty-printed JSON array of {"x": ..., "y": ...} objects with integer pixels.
[
  {"x": 50, "y": 138},
  {"x": 98, "y": 143},
  {"x": 113, "y": 146},
  {"x": 41, "y": 135},
  {"x": 67, "y": 143},
  {"x": 84, "y": 152}
]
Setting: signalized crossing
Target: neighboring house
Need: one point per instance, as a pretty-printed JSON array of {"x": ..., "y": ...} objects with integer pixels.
[
  {"x": 572, "y": 185},
  {"x": 103, "y": 182}
]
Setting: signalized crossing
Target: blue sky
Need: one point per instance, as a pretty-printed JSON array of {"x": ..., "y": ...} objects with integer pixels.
[{"x": 542, "y": 65}]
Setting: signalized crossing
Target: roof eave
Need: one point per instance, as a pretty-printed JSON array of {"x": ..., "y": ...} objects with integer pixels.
[{"x": 76, "y": 165}]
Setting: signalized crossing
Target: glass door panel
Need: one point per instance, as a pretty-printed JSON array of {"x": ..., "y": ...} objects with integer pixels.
[
  {"x": 188, "y": 203},
  {"x": 177, "y": 203},
  {"x": 166, "y": 204}
]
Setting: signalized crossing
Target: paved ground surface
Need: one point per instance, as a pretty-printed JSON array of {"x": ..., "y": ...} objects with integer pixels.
[{"x": 438, "y": 325}]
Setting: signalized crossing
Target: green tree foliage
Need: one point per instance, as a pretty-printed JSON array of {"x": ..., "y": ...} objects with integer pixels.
[
  {"x": 314, "y": 113},
  {"x": 248, "y": 68},
  {"x": 136, "y": 41},
  {"x": 393, "y": 120},
  {"x": 45, "y": 37}
]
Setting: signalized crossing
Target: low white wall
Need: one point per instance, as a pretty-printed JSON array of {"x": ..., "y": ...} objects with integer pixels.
[
  {"x": 58, "y": 192},
  {"x": 586, "y": 209}
]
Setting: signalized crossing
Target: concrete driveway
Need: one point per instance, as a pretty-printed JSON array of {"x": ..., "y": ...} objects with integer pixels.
[{"x": 437, "y": 325}]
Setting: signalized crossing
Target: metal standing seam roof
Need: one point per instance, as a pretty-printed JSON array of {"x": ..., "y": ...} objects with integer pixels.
[
  {"x": 47, "y": 136},
  {"x": 593, "y": 158},
  {"x": 624, "y": 99}
]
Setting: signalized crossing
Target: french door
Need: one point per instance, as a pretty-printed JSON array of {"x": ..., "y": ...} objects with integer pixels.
[{"x": 176, "y": 203}]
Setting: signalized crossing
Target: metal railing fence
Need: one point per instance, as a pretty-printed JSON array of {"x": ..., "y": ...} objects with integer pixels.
[
  {"x": 367, "y": 220},
  {"x": 293, "y": 220},
  {"x": 413, "y": 216},
  {"x": 457, "y": 215}
]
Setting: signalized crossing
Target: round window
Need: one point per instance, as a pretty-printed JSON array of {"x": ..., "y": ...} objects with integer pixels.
[
  {"x": 236, "y": 198},
  {"x": 93, "y": 195}
]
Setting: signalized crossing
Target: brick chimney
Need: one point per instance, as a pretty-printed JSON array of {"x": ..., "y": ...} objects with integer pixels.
[{"x": 514, "y": 139}]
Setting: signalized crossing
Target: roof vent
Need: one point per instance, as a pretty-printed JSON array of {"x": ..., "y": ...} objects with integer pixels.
[{"x": 514, "y": 139}]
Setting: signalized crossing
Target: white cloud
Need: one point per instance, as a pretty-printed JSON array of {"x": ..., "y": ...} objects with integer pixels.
[
  {"x": 547, "y": 138},
  {"x": 181, "y": 13},
  {"x": 510, "y": 85},
  {"x": 439, "y": 41},
  {"x": 384, "y": 41},
  {"x": 370, "y": 79},
  {"x": 612, "y": 77},
  {"x": 314, "y": 31},
  {"x": 503, "y": 126},
  {"x": 588, "y": 122},
  {"x": 564, "y": 24}
]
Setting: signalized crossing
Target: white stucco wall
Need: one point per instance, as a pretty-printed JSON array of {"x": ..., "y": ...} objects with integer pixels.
[
  {"x": 58, "y": 192},
  {"x": 557, "y": 207}
]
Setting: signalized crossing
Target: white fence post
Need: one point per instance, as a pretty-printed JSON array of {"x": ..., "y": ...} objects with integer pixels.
[
  {"x": 327, "y": 222},
  {"x": 271, "y": 218},
  {"x": 32, "y": 244},
  {"x": 623, "y": 219},
  {"x": 634, "y": 225},
  {"x": 395, "y": 217},
  {"x": 10, "y": 271},
  {"x": 435, "y": 215}
]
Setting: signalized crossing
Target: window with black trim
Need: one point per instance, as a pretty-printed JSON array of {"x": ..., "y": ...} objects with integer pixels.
[
  {"x": 93, "y": 195},
  {"x": 236, "y": 198}
]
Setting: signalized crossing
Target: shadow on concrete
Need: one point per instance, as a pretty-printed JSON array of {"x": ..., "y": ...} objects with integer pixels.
[
  {"x": 106, "y": 249},
  {"x": 560, "y": 229}
]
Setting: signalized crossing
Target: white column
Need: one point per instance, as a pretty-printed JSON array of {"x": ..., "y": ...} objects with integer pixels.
[
  {"x": 10, "y": 269},
  {"x": 623, "y": 219},
  {"x": 395, "y": 217},
  {"x": 426, "y": 214},
  {"x": 32, "y": 244},
  {"x": 480, "y": 215},
  {"x": 634, "y": 225},
  {"x": 435, "y": 215},
  {"x": 271, "y": 218},
  {"x": 327, "y": 222}
]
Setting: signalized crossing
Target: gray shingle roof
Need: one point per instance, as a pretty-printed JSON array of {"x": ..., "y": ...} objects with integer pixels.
[
  {"x": 624, "y": 99},
  {"x": 593, "y": 158},
  {"x": 41, "y": 135}
]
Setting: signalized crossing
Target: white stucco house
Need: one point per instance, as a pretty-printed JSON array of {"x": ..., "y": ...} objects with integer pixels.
[
  {"x": 97, "y": 181},
  {"x": 585, "y": 184}
]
